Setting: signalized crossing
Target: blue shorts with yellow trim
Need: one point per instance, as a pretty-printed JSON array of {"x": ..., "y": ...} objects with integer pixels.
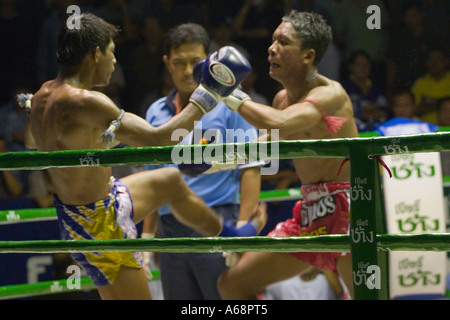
[{"x": 111, "y": 218}]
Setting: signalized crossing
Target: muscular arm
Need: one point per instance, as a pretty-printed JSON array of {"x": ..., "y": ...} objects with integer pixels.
[
  {"x": 250, "y": 188},
  {"x": 297, "y": 117},
  {"x": 99, "y": 111}
]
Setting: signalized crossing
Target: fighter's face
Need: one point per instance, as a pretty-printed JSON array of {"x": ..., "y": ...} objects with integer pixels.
[
  {"x": 285, "y": 54},
  {"x": 180, "y": 64},
  {"x": 105, "y": 65}
]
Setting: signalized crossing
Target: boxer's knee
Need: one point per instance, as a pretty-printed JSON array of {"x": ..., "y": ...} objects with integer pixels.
[{"x": 175, "y": 182}]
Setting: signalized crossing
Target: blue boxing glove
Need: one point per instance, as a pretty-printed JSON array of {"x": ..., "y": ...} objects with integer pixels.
[
  {"x": 218, "y": 75},
  {"x": 222, "y": 71},
  {"x": 193, "y": 170}
]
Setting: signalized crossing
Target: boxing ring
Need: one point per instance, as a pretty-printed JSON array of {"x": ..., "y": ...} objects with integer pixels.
[{"x": 367, "y": 239}]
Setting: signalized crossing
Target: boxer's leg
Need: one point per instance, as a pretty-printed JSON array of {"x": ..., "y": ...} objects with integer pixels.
[
  {"x": 152, "y": 189},
  {"x": 256, "y": 270}
]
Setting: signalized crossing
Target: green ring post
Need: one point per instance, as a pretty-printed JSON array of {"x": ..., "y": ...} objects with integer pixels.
[{"x": 365, "y": 206}]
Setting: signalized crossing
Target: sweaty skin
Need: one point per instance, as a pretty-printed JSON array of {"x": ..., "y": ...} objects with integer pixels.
[
  {"x": 297, "y": 119},
  {"x": 299, "y": 112},
  {"x": 314, "y": 170},
  {"x": 67, "y": 115}
]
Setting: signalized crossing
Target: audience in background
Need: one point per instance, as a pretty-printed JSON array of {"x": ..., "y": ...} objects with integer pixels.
[
  {"x": 144, "y": 65},
  {"x": 435, "y": 84},
  {"x": 443, "y": 115},
  {"x": 368, "y": 98},
  {"x": 408, "y": 48},
  {"x": 11, "y": 182},
  {"x": 404, "y": 106},
  {"x": 443, "y": 111},
  {"x": 352, "y": 33}
]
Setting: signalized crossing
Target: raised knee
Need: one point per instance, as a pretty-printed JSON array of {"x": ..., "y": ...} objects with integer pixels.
[
  {"x": 173, "y": 176},
  {"x": 175, "y": 181}
]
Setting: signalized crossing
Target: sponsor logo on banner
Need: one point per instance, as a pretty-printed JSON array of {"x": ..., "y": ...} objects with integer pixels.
[
  {"x": 395, "y": 147},
  {"x": 360, "y": 234},
  {"x": 412, "y": 273},
  {"x": 359, "y": 192},
  {"x": 414, "y": 204}
]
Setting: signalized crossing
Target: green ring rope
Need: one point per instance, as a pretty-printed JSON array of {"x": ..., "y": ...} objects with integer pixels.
[
  {"x": 51, "y": 287},
  {"x": 340, "y": 148},
  {"x": 323, "y": 243}
]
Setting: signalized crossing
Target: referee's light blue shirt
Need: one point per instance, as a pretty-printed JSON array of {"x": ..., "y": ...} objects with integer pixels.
[{"x": 218, "y": 188}]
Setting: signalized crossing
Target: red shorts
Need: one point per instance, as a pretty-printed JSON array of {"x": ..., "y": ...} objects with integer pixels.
[{"x": 323, "y": 210}]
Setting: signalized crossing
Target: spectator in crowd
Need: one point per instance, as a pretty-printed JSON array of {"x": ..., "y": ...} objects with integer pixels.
[
  {"x": 13, "y": 118},
  {"x": 162, "y": 89},
  {"x": 172, "y": 13},
  {"x": 40, "y": 189},
  {"x": 443, "y": 111},
  {"x": 47, "y": 68},
  {"x": 443, "y": 114},
  {"x": 326, "y": 8},
  {"x": 435, "y": 84},
  {"x": 19, "y": 22},
  {"x": 118, "y": 13},
  {"x": 252, "y": 26},
  {"x": 222, "y": 35},
  {"x": 11, "y": 182},
  {"x": 408, "y": 49},
  {"x": 352, "y": 33},
  {"x": 403, "y": 105},
  {"x": 437, "y": 17},
  {"x": 368, "y": 98},
  {"x": 144, "y": 65}
]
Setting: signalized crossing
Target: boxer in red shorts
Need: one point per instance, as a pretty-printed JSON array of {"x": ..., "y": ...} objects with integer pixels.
[
  {"x": 310, "y": 106},
  {"x": 323, "y": 210}
]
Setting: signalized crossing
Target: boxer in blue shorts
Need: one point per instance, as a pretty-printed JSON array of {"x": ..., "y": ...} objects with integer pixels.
[
  {"x": 82, "y": 223},
  {"x": 66, "y": 114}
]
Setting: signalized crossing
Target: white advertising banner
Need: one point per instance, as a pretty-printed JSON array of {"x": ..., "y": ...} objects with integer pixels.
[{"x": 414, "y": 204}]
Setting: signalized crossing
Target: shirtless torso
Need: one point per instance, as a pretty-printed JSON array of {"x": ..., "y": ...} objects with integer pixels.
[
  {"x": 309, "y": 107},
  {"x": 314, "y": 170},
  {"x": 57, "y": 124},
  {"x": 65, "y": 117}
]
